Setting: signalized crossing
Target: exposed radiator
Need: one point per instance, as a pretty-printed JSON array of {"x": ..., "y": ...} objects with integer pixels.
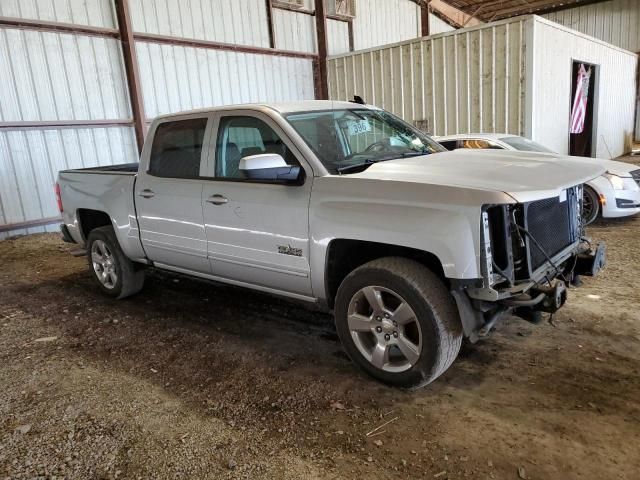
[{"x": 553, "y": 223}]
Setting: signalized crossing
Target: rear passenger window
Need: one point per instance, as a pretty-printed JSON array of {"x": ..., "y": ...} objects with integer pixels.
[{"x": 177, "y": 147}]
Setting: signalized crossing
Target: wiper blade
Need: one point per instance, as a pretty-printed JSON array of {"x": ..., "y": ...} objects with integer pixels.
[
  {"x": 367, "y": 162},
  {"x": 355, "y": 166},
  {"x": 414, "y": 154}
]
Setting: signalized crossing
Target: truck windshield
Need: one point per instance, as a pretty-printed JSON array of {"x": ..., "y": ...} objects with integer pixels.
[{"x": 347, "y": 141}]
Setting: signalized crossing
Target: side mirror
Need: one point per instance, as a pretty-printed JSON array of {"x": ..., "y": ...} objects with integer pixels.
[{"x": 270, "y": 167}]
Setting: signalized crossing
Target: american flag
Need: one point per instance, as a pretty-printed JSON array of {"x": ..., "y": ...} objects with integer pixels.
[{"x": 579, "y": 110}]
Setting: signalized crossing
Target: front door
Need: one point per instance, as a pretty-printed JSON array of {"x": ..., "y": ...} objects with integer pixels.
[
  {"x": 257, "y": 233},
  {"x": 168, "y": 196}
]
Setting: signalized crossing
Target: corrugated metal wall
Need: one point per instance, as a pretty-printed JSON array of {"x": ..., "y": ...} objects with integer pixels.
[
  {"x": 30, "y": 161},
  {"x": 56, "y": 76},
  {"x": 47, "y": 76},
  {"x": 241, "y": 22},
  {"x": 464, "y": 81},
  {"x": 554, "y": 50},
  {"x": 380, "y": 22},
  {"x": 294, "y": 31},
  {"x": 337, "y": 37},
  {"x": 616, "y": 22},
  {"x": 97, "y": 13},
  {"x": 176, "y": 78}
]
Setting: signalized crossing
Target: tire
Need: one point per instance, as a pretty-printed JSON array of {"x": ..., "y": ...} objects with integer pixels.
[
  {"x": 590, "y": 205},
  {"x": 120, "y": 276},
  {"x": 434, "y": 331}
]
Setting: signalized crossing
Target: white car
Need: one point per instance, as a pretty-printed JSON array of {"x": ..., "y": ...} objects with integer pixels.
[
  {"x": 614, "y": 194},
  {"x": 345, "y": 206}
]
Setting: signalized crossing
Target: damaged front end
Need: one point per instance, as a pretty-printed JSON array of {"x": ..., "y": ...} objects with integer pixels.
[{"x": 530, "y": 254}]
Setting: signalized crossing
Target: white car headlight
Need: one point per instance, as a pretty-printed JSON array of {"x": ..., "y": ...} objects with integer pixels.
[{"x": 617, "y": 182}]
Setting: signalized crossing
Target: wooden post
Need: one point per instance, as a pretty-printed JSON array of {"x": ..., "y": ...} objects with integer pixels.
[
  {"x": 131, "y": 67},
  {"x": 322, "y": 90},
  {"x": 424, "y": 18},
  {"x": 272, "y": 36}
]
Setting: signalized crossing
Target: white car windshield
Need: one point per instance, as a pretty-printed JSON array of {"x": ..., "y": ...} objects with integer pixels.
[
  {"x": 525, "y": 145},
  {"x": 349, "y": 140}
]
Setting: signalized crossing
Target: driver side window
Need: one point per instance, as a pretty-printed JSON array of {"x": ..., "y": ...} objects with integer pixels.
[{"x": 240, "y": 137}]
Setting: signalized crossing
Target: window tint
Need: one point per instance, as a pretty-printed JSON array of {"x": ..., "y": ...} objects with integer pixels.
[
  {"x": 177, "y": 147},
  {"x": 244, "y": 136}
]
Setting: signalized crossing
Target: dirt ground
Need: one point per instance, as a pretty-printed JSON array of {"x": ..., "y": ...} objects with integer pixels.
[{"x": 193, "y": 380}]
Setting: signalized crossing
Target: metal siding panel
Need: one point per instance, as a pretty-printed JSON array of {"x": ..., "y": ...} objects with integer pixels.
[
  {"x": 54, "y": 76},
  {"x": 337, "y": 36},
  {"x": 555, "y": 48},
  {"x": 30, "y": 161},
  {"x": 172, "y": 81},
  {"x": 242, "y": 22},
  {"x": 616, "y": 22},
  {"x": 96, "y": 13},
  {"x": 294, "y": 31},
  {"x": 379, "y": 22}
]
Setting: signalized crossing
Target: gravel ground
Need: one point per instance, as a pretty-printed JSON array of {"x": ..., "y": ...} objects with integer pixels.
[{"x": 194, "y": 380}]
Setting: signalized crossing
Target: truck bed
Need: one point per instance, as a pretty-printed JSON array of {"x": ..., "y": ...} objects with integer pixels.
[{"x": 106, "y": 190}]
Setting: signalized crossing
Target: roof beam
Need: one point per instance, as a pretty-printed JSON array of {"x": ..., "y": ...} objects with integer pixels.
[{"x": 453, "y": 15}]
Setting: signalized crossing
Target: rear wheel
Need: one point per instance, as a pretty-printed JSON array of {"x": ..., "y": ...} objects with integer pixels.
[
  {"x": 590, "y": 205},
  {"x": 398, "y": 322},
  {"x": 115, "y": 274}
]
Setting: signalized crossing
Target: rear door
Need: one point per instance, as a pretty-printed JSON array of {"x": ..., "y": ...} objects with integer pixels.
[
  {"x": 257, "y": 232},
  {"x": 168, "y": 193}
]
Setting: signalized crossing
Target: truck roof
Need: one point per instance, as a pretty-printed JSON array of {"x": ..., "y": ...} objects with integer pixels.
[{"x": 280, "y": 107}]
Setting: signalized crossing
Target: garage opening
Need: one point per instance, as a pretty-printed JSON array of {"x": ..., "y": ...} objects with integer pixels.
[{"x": 582, "y": 130}]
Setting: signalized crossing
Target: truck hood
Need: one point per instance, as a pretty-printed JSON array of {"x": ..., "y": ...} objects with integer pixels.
[
  {"x": 521, "y": 175},
  {"x": 620, "y": 169}
]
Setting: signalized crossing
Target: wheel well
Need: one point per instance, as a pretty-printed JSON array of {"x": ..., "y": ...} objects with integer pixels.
[
  {"x": 344, "y": 256},
  {"x": 90, "y": 219}
]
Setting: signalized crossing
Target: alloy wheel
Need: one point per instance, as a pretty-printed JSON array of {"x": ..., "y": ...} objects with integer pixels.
[
  {"x": 384, "y": 328},
  {"x": 104, "y": 264}
]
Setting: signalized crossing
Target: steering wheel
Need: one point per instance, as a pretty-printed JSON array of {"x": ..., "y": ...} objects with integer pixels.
[{"x": 380, "y": 146}]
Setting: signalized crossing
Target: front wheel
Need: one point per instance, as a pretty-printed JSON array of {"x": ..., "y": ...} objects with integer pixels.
[
  {"x": 398, "y": 322},
  {"x": 590, "y": 205},
  {"x": 116, "y": 275}
]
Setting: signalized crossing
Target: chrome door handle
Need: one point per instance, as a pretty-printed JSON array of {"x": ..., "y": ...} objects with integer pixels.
[
  {"x": 146, "y": 193},
  {"x": 217, "y": 199}
]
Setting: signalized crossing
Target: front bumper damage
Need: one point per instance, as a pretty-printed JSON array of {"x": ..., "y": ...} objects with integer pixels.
[{"x": 481, "y": 308}]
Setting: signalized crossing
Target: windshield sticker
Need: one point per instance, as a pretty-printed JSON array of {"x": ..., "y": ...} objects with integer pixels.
[{"x": 357, "y": 127}]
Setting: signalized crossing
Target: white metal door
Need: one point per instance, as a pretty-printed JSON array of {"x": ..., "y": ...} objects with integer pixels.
[{"x": 257, "y": 233}]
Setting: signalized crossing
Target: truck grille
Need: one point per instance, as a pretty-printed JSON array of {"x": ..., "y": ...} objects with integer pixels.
[
  {"x": 636, "y": 176},
  {"x": 553, "y": 224}
]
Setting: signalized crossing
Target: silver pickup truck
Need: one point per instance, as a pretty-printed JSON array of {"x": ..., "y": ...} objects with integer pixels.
[{"x": 346, "y": 206}]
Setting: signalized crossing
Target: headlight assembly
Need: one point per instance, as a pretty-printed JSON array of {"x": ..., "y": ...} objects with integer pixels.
[{"x": 617, "y": 182}]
